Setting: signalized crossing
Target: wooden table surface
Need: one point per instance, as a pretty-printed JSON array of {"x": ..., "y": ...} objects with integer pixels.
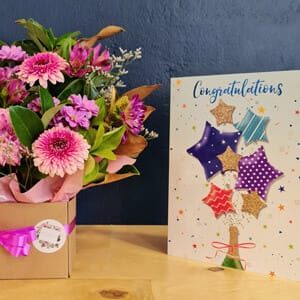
[{"x": 130, "y": 262}]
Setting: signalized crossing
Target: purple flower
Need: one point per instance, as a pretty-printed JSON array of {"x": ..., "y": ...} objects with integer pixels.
[
  {"x": 79, "y": 56},
  {"x": 74, "y": 117},
  {"x": 103, "y": 60},
  {"x": 12, "y": 53},
  {"x": 84, "y": 104},
  {"x": 133, "y": 115}
]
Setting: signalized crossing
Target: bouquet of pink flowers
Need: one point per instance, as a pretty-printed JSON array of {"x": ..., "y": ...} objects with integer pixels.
[{"x": 63, "y": 126}]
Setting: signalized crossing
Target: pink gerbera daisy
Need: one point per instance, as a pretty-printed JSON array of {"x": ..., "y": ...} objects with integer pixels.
[
  {"x": 60, "y": 151},
  {"x": 43, "y": 67}
]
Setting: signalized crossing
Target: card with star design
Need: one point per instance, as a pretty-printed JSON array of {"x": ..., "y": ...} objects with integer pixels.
[{"x": 235, "y": 171}]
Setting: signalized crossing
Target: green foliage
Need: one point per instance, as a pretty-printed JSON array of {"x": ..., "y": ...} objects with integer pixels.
[
  {"x": 26, "y": 123},
  {"x": 109, "y": 141}
]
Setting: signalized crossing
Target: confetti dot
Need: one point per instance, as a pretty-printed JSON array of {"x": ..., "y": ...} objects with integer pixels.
[{"x": 272, "y": 274}]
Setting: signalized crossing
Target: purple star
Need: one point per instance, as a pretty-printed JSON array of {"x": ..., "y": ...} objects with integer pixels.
[
  {"x": 256, "y": 173},
  {"x": 211, "y": 144}
]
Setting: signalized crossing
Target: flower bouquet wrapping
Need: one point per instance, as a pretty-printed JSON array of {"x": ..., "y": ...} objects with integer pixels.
[{"x": 63, "y": 127}]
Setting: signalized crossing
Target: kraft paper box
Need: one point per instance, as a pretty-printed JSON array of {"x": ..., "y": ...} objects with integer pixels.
[
  {"x": 38, "y": 264},
  {"x": 235, "y": 171}
]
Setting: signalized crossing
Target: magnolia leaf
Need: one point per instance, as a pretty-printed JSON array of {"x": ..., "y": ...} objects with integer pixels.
[
  {"x": 26, "y": 123},
  {"x": 142, "y": 91},
  {"x": 75, "y": 87},
  {"x": 110, "y": 141},
  {"x": 103, "y": 34},
  {"x": 134, "y": 145},
  {"x": 108, "y": 178},
  {"x": 46, "y": 99},
  {"x": 148, "y": 112}
]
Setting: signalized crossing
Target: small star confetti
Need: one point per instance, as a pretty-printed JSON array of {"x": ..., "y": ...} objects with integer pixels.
[
  {"x": 272, "y": 274},
  {"x": 281, "y": 207},
  {"x": 229, "y": 160},
  {"x": 252, "y": 203},
  {"x": 194, "y": 246},
  {"x": 281, "y": 188},
  {"x": 261, "y": 109},
  {"x": 223, "y": 113}
]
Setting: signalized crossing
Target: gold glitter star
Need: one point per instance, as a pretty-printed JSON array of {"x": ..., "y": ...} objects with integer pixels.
[
  {"x": 252, "y": 203},
  {"x": 230, "y": 160},
  {"x": 223, "y": 113}
]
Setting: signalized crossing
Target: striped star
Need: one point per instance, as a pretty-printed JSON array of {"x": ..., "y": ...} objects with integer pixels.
[{"x": 253, "y": 127}]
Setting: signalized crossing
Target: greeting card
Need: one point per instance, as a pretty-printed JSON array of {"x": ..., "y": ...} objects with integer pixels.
[{"x": 235, "y": 171}]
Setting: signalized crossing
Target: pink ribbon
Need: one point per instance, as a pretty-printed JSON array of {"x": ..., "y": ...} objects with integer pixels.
[
  {"x": 17, "y": 241},
  {"x": 219, "y": 246}
]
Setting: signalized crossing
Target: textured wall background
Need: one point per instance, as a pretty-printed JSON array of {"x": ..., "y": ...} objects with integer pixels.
[{"x": 179, "y": 38}]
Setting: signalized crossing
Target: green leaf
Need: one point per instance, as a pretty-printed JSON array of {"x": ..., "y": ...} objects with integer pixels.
[
  {"x": 38, "y": 33},
  {"x": 110, "y": 141},
  {"x": 89, "y": 135},
  {"x": 102, "y": 112},
  {"x": 50, "y": 113},
  {"x": 65, "y": 42},
  {"x": 90, "y": 177},
  {"x": 46, "y": 99},
  {"x": 98, "y": 137},
  {"x": 28, "y": 46},
  {"x": 74, "y": 87},
  {"x": 89, "y": 165},
  {"x": 26, "y": 123}
]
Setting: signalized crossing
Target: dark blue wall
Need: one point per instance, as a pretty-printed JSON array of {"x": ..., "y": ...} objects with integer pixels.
[{"x": 179, "y": 38}]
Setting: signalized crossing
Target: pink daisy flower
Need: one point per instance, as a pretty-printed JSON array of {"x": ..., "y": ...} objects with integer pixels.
[
  {"x": 60, "y": 151},
  {"x": 43, "y": 66}
]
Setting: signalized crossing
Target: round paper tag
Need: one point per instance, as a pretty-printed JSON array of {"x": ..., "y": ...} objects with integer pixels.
[{"x": 50, "y": 236}]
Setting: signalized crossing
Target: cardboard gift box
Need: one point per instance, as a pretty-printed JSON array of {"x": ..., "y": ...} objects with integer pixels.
[{"x": 44, "y": 259}]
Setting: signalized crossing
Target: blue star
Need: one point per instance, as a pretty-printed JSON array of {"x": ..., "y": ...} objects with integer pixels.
[
  {"x": 281, "y": 188},
  {"x": 211, "y": 144},
  {"x": 253, "y": 127}
]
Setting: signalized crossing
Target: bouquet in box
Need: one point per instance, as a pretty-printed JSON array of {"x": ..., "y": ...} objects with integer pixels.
[{"x": 63, "y": 125}]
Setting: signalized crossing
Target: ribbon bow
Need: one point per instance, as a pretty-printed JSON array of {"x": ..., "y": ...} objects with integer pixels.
[
  {"x": 17, "y": 241},
  {"x": 219, "y": 246}
]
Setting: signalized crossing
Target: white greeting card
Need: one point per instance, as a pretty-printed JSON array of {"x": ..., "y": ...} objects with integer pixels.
[{"x": 234, "y": 176}]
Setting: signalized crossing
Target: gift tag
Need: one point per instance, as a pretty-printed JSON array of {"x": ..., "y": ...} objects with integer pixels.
[{"x": 50, "y": 236}]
